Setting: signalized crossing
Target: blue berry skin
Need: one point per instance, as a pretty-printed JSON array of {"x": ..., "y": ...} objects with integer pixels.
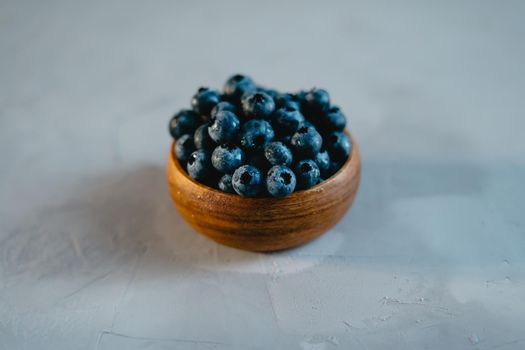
[
  {"x": 334, "y": 120},
  {"x": 306, "y": 142},
  {"x": 338, "y": 145},
  {"x": 227, "y": 157},
  {"x": 199, "y": 166},
  {"x": 257, "y": 105},
  {"x": 322, "y": 159},
  {"x": 301, "y": 96},
  {"x": 236, "y": 86},
  {"x": 317, "y": 100},
  {"x": 278, "y": 154},
  {"x": 225, "y": 183},
  {"x": 202, "y": 139},
  {"x": 307, "y": 174},
  {"x": 224, "y": 106},
  {"x": 255, "y": 134},
  {"x": 204, "y": 101},
  {"x": 334, "y": 167},
  {"x": 247, "y": 181},
  {"x": 307, "y": 124},
  {"x": 184, "y": 147},
  {"x": 184, "y": 122},
  {"x": 287, "y": 100},
  {"x": 280, "y": 181},
  {"x": 224, "y": 127},
  {"x": 271, "y": 92},
  {"x": 287, "y": 119}
]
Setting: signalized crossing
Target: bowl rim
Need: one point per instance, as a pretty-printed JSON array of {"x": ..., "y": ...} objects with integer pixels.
[{"x": 353, "y": 154}]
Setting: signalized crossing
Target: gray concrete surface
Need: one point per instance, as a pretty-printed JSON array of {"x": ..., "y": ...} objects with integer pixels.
[{"x": 93, "y": 255}]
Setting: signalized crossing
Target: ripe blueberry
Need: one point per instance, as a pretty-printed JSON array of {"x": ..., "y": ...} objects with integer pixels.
[
  {"x": 227, "y": 157},
  {"x": 334, "y": 167},
  {"x": 334, "y": 120},
  {"x": 306, "y": 142},
  {"x": 307, "y": 124},
  {"x": 202, "y": 139},
  {"x": 322, "y": 159},
  {"x": 204, "y": 101},
  {"x": 224, "y": 106},
  {"x": 199, "y": 166},
  {"x": 224, "y": 126},
  {"x": 307, "y": 173},
  {"x": 338, "y": 145},
  {"x": 280, "y": 181},
  {"x": 184, "y": 122},
  {"x": 287, "y": 100},
  {"x": 317, "y": 100},
  {"x": 257, "y": 105},
  {"x": 236, "y": 86},
  {"x": 184, "y": 147},
  {"x": 225, "y": 183},
  {"x": 278, "y": 154},
  {"x": 271, "y": 92},
  {"x": 247, "y": 181},
  {"x": 255, "y": 134},
  {"x": 287, "y": 119}
]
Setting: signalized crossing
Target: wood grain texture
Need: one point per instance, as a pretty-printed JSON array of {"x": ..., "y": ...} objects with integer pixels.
[{"x": 264, "y": 224}]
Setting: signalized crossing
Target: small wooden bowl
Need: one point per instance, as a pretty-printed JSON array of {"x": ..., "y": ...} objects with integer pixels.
[{"x": 264, "y": 224}]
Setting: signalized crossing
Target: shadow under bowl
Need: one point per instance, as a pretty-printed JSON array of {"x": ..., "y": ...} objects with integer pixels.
[{"x": 264, "y": 224}]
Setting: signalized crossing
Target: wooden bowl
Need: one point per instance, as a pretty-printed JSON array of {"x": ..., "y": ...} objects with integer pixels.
[{"x": 264, "y": 224}]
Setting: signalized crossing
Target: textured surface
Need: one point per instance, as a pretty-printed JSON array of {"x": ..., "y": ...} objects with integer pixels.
[{"x": 94, "y": 256}]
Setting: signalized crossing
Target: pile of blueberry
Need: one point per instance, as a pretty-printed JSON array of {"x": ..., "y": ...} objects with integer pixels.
[{"x": 258, "y": 142}]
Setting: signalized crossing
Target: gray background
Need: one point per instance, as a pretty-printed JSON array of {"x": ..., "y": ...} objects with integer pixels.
[{"x": 94, "y": 256}]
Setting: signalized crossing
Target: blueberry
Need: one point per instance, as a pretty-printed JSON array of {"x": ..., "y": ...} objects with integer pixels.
[
  {"x": 322, "y": 159},
  {"x": 247, "y": 181},
  {"x": 199, "y": 166},
  {"x": 307, "y": 173},
  {"x": 334, "y": 119},
  {"x": 224, "y": 106},
  {"x": 202, "y": 139},
  {"x": 307, "y": 124},
  {"x": 338, "y": 145},
  {"x": 317, "y": 100},
  {"x": 287, "y": 119},
  {"x": 287, "y": 100},
  {"x": 184, "y": 147},
  {"x": 184, "y": 122},
  {"x": 306, "y": 142},
  {"x": 334, "y": 167},
  {"x": 278, "y": 154},
  {"x": 224, "y": 126},
  {"x": 225, "y": 183},
  {"x": 238, "y": 85},
  {"x": 204, "y": 101},
  {"x": 227, "y": 157},
  {"x": 271, "y": 92},
  {"x": 257, "y": 105},
  {"x": 301, "y": 96},
  {"x": 280, "y": 181},
  {"x": 255, "y": 134}
]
